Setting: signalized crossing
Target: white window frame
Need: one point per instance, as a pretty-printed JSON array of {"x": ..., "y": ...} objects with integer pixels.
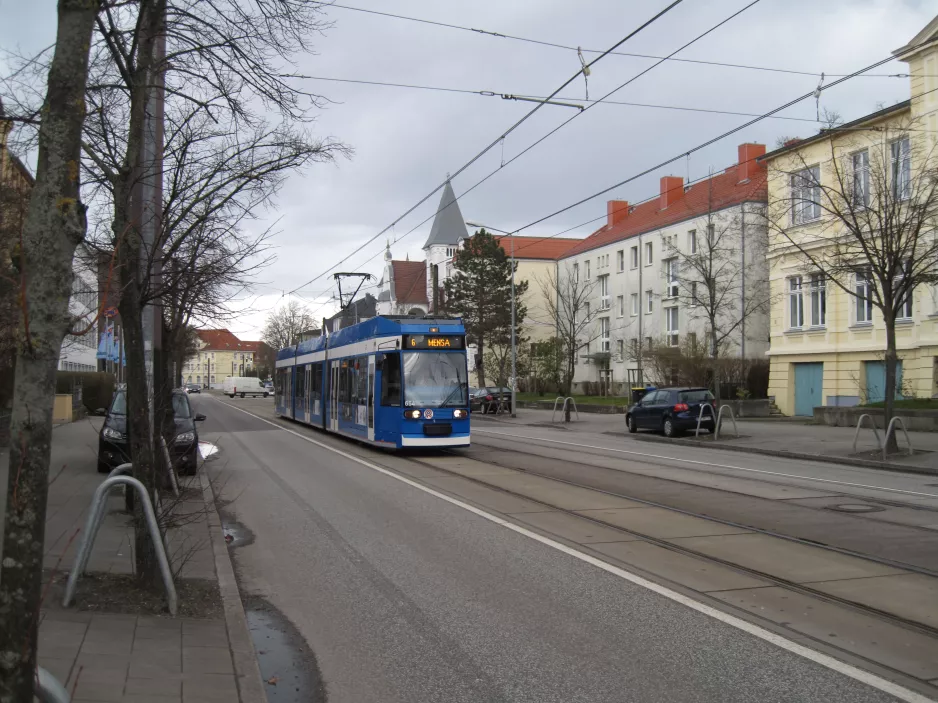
[
  {"x": 604, "y": 292},
  {"x": 633, "y": 257},
  {"x": 633, "y": 304},
  {"x": 620, "y": 260},
  {"x": 620, "y": 350},
  {"x": 860, "y": 177},
  {"x": 795, "y": 302},
  {"x": 907, "y": 306},
  {"x": 576, "y": 273},
  {"x": 863, "y": 294},
  {"x": 604, "y": 328},
  {"x": 672, "y": 272},
  {"x": 806, "y": 195},
  {"x": 693, "y": 294},
  {"x": 692, "y": 242},
  {"x": 649, "y": 253},
  {"x": 620, "y": 306},
  {"x": 818, "y": 291},
  {"x": 672, "y": 326},
  {"x": 649, "y": 301},
  {"x": 586, "y": 270},
  {"x": 900, "y": 167}
]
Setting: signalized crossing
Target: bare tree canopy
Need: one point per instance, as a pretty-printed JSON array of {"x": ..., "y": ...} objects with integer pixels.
[{"x": 285, "y": 325}]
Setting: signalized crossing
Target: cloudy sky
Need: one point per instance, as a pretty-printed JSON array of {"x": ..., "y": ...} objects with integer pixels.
[{"x": 407, "y": 140}]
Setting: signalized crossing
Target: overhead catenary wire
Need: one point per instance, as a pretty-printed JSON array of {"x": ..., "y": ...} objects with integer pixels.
[
  {"x": 566, "y": 47},
  {"x": 504, "y": 134}
]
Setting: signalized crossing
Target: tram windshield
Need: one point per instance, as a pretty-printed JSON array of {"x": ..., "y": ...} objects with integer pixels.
[{"x": 435, "y": 380}]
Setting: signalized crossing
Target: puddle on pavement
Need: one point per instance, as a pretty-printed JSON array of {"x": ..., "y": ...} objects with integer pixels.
[
  {"x": 288, "y": 666},
  {"x": 207, "y": 449},
  {"x": 236, "y": 534}
]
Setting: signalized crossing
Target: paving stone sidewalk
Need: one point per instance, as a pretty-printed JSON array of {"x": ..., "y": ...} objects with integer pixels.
[{"x": 112, "y": 657}]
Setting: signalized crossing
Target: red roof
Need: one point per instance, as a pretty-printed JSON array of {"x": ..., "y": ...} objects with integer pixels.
[
  {"x": 549, "y": 248},
  {"x": 721, "y": 191},
  {"x": 410, "y": 282},
  {"x": 222, "y": 340}
]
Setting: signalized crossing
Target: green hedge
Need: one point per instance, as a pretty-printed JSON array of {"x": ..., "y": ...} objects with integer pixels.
[{"x": 97, "y": 388}]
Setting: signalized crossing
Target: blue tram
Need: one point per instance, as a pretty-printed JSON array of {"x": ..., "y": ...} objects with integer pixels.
[{"x": 392, "y": 381}]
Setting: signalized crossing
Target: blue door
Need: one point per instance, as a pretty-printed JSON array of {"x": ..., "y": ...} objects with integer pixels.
[
  {"x": 809, "y": 382},
  {"x": 875, "y": 372}
]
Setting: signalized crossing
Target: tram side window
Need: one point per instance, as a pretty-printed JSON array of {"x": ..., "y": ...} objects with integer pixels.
[
  {"x": 391, "y": 380},
  {"x": 362, "y": 380},
  {"x": 345, "y": 382},
  {"x": 315, "y": 381},
  {"x": 300, "y": 380}
]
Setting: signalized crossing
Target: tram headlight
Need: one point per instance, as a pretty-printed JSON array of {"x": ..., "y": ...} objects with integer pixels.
[
  {"x": 412, "y": 414},
  {"x": 459, "y": 414}
]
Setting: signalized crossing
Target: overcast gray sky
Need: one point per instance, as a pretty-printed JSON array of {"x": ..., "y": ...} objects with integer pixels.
[{"x": 407, "y": 140}]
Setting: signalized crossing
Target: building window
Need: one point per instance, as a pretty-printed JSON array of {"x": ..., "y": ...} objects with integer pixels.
[
  {"x": 905, "y": 307},
  {"x": 604, "y": 292},
  {"x": 861, "y": 178},
  {"x": 649, "y": 304},
  {"x": 633, "y": 299},
  {"x": 795, "y": 303},
  {"x": 604, "y": 333},
  {"x": 864, "y": 297},
  {"x": 693, "y": 293},
  {"x": 648, "y": 254},
  {"x": 576, "y": 273},
  {"x": 620, "y": 260},
  {"x": 672, "y": 326},
  {"x": 901, "y": 168},
  {"x": 620, "y": 305},
  {"x": 648, "y": 343},
  {"x": 818, "y": 300},
  {"x": 620, "y": 349},
  {"x": 633, "y": 257},
  {"x": 692, "y": 339},
  {"x": 806, "y": 195},
  {"x": 634, "y": 347},
  {"x": 692, "y": 242},
  {"x": 586, "y": 269},
  {"x": 671, "y": 271}
]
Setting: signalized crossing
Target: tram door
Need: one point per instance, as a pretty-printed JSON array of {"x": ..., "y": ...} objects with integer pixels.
[
  {"x": 307, "y": 399},
  {"x": 288, "y": 391},
  {"x": 334, "y": 397},
  {"x": 371, "y": 397}
]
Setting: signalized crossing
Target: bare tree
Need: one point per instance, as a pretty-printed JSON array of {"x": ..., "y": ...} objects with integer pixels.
[
  {"x": 566, "y": 300},
  {"x": 286, "y": 323},
  {"x": 55, "y": 224},
  {"x": 874, "y": 202},
  {"x": 721, "y": 279}
]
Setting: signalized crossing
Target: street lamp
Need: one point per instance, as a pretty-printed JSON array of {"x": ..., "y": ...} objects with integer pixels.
[{"x": 514, "y": 350}]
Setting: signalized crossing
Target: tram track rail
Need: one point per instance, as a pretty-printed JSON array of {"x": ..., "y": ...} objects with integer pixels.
[{"x": 922, "y": 628}]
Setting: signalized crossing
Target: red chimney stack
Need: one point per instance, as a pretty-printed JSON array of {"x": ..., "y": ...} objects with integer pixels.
[
  {"x": 672, "y": 191},
  {"x": 749, "y": 167},
  {"x": 616, "y": 212}
]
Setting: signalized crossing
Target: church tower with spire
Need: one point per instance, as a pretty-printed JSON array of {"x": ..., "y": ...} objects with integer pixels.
[{"x": 445, "y": 234}]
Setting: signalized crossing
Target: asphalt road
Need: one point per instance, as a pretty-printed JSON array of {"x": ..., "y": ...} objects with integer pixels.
[{"x": 403, "y": 596}]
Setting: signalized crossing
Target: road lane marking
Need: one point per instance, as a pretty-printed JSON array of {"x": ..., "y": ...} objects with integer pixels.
[
  {"x": 819, "y": 658},
  {"x": 709, "y": 463}
]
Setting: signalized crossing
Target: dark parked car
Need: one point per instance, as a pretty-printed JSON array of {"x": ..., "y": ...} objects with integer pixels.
[
  {"x": 487, "y": 399},
  {"x": 671, "y": 411},
  {"x": 113, "y": 449}
]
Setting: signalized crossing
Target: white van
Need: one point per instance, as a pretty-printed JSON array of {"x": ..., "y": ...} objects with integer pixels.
[{"x": 243, "y": 386}]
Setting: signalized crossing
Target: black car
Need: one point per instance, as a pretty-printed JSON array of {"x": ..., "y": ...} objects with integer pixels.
[
  {"x": 672, "y": 411},
  {"x": 113, "y": 449},
  {"x": 487, "y": 399},
  {"x": 193, "y": 388}
]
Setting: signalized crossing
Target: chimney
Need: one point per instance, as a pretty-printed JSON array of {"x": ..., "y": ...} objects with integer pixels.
[
  {"x": 672, "y": 191},
  {"x": 616, "y": 212},
  {"x": 749, "y": 168}
]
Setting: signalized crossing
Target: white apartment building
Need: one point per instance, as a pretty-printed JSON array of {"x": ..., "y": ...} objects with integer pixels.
[
  {"x": 642, "y": 271},
  {"x": 79, "y": 352}
]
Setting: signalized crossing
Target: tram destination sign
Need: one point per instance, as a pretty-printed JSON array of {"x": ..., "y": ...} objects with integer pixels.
[{"x": 434, "y": 341}]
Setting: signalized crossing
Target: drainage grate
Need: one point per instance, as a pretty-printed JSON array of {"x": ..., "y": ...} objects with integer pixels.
[{"x": 855, "y": 508}]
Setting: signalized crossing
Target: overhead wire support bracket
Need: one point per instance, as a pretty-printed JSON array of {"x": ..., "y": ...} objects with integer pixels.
[
  {"x": 508, "y": 96},
  {"x": 338, "y": 279}
]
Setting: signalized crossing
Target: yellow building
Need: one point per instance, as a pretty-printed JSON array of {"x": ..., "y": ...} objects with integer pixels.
[
  {"x": 221, "y": 354},
  {"x": 828, "y": 339}
]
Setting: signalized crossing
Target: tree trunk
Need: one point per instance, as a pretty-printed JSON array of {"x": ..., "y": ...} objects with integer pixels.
[
  {"x": 892, "y": 359},
  {"x": 55, "y": 224},
  {"x": 480, "y": 369}
]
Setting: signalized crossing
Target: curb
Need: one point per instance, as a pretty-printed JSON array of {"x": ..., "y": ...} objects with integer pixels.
[
  {"x": 247, "y": 672},
  {"x": 843, "y": 461}
]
